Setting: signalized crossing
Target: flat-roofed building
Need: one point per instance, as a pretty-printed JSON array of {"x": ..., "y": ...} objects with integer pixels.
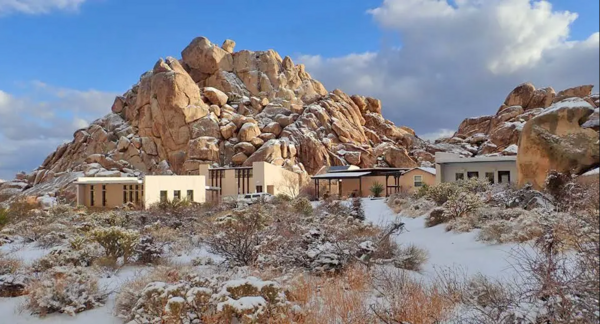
[
  {"x": 413, "y": 179},
  {"x": 356, "y": 182},
  {"x": 111, "y": 192},
  {"x": 497, "y": 169}
]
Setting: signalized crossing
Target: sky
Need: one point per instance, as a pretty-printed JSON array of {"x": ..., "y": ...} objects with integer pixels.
[{"x": 431, "y": 62}]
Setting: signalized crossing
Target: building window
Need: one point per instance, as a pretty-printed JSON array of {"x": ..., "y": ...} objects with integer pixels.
[
  {"x": 503, "y": 176},
  {"x": 190, "y": 195},
  {"x": 490, "y": 177},
  {"x": 103, "y": 195},
  {"x": 418, "y": 181},
  {"x": 473, "y": 174},
  {"x": 259, "y": 188},
  {"x": 176, "y": 194},
  {"x": 92, "y": 195},
  {"x": 124, "y": 194},
  {"x": 459, "y": 176},
  {"x": 163, "y": 196}
]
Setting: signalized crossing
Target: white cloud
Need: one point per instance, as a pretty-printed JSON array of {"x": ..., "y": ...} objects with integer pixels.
[
  {"x": 461, "y": 60},
  {"x": 36, "y": 7},
  {"x": 440, "y": 133},
  {"x": 32, "y": 127}
]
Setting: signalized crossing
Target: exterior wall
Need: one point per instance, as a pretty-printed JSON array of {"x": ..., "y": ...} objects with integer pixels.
[
  {"x": 153, "y": 185},
  {"x": 446, "y": 171},
  {"x": 407, "y": 180},
  {"x": 351, "y": 185},
  {"x": 114, "y": 194},
  {"x": 274, "y": 177}
]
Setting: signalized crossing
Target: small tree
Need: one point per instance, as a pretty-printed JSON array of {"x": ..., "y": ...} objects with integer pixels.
[
  {"x": 290, "y": 184},
  {"x": 376, "y": 189}
]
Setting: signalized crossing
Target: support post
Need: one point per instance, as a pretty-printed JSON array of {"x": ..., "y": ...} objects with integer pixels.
[{"x": 360, "y": 186}]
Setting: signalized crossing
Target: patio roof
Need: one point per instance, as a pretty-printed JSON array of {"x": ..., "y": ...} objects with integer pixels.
[
  {"x": 108, "y": 180},
  {"x": 341, "y": 175}
]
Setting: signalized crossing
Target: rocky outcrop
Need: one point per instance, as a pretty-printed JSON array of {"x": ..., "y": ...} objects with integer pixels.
[
  {"x": 500, "y": 133},
  {"x": 555, "y": 140},
  {"x": 223, "y": 107}
]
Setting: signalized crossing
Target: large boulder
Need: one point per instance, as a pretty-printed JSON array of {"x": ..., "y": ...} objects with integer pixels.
[
  {"x": 206, "y": 57},
  {"x": 520, "y": 96},
  {"x": 554, "y": 140},
  {"x": 395, "y": 156},
  {"x": 204, "y": 148},
  {"x": 248, "y": 131}
]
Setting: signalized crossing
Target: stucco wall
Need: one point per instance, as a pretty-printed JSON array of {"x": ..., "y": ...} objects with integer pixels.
[
  {"x": 283, "y": 181},
  {"x": 114, "y": 194},
  {"x": 153, "y": 185},
  {"x": 447, "y": 171},
  {"x": 407, "y": 180}
]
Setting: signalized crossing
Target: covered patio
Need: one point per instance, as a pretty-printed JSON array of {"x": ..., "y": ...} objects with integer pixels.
[{"x": 357, "y": 183}]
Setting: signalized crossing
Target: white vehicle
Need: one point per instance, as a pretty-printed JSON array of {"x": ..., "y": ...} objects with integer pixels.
[{"x": 255, "y": 197}]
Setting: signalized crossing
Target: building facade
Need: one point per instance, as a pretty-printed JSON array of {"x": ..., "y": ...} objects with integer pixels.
[
  {"x": 496, "y": 169},
  {"x": 111, "y": 192},
  {"x": 412, "y": 180}
]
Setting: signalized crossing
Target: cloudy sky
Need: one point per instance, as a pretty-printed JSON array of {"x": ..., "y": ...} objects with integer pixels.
[{"x": 431, "y": 62}]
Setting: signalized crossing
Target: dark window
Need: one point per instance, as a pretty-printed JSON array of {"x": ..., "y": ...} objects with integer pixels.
[
  {"x": 124, "y": 194},
  {"x": 459, "y": 176},
  {"x": 163, "y": 196},
  {"x": 259, "y": 188},
  {"x": 176, "y": 194},
  {"x": 503, "y": 176},
  {"x": 92, "y": 195},
  {"x": 473, "y": 174},
  {"x": 418, "y": 181},
  {"x": 190, "y": 195},
  {"x": 103, "y": 195},
  {"x": 137, "y": 197},
  {"x": 490, "y": 176}
]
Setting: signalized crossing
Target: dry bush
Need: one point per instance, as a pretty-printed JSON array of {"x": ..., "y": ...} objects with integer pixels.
[
  {"x": 411, "y": 257},
  {"x": 461, "y": 204},
  {"x": 436, "y": 216},
  {"x": 308, "y": 191},
  {"x": 302, "y": 205},
  {"x": 9, "y": 265},
  {"x": 405, "y": 300},
  {"x": 116, "y": 241},
  {"x": 339, "y": 299},
  {"x": 64, "y": 290}
]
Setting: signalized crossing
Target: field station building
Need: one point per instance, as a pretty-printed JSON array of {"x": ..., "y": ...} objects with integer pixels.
[
  {"x": 212, "y": 184},
  {"x": 497, "y": 169}
]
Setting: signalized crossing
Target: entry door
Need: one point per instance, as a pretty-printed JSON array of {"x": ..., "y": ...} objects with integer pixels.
[
  {"x": 259, "y": 188},
  {"x": 503, "y": 176}
]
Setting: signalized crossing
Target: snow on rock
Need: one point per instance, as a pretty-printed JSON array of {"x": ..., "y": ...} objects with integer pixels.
[
  {"x": 592, "y": 172},
  {"x": 511, "y": 150}
]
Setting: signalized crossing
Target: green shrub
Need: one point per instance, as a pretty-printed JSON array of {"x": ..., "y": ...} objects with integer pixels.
[
  {"x": 282, "y": 198},
  {"x": 116, "y": 241},
  {"x": 3, "y": 217},
  {"x": 461, "y": 204},
  {"x": 303, "y": 206},
  {"x": 441, "y": 192},
  {"x": 376, "y": 189}
]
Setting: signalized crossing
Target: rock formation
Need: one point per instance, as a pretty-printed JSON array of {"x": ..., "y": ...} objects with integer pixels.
[
  {"x": 499, "y": 133},
  {"x": 219, "y": 106}
]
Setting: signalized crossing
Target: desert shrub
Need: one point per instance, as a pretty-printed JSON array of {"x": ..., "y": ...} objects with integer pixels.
[
  {"x": 67, "y": 290},
  {"x": 236, "y": 236},
  {"x": 215, "y": 299},
  {"x": 116, "y": 241},
  {"x": 60, "y": 257},
  {"x": 334, "y": 207},
  {"x": 461, "y": 204},
  {"x": 147, "y": 250},
  {"x": 302, "y": 205},
  {"x": 282, "y": 199},
  {"x": 441, "y": 192},
  {"x": 403, "y": 299},
  {"x": 436, "y": 216},
  {"x": 308, "y": 191},
  {"x": 411, "y": 257},
  {"x": 3, "y": 217},
  {"x": 9, "y": 265},
  {"x": 19, "y": 210},
  {"x": 358, "y": 211},
  {"x": 376, "y": 189}
]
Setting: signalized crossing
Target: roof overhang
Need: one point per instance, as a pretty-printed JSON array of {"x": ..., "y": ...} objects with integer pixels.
[
  {"x": 108, "y": 180},
  {"x": 341, "y": 175}
]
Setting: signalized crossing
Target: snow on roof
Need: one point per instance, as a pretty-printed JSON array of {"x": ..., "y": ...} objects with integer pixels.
[
  {"x": 108, "y": 180},
  {"x": 442, "y": 157},
  {"x": 340, "y": 168},
  {"x": 426, "y": 169},
  {"x": 336, "y": 175},
  {"x": 592, "y": 172}
]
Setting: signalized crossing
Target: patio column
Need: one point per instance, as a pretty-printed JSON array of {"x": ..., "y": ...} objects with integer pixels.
[
  {"x": 330, "y": 186},
  {"x": 360, "y": 186}
]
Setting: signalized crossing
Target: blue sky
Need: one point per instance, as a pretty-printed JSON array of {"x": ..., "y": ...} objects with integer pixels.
[{"x": 432, "y": 63}]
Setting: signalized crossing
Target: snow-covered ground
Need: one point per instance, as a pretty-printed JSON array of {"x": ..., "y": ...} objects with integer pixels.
[{"x": 446, "y": 249}]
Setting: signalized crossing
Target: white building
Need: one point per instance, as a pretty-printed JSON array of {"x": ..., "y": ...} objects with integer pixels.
[{"x": 497, "y": 169}]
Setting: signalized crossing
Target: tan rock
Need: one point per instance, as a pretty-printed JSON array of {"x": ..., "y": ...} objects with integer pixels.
[
  {"x": 205, "y": 126},
  {"x": 521, "y": 95},
  {"x": 352, "y": 157},
  {"x": 123, "y": 144},
  {"x": 267, "y": 136},
  {"x": 257, "y": 142},
  {"x": 206, "y": 57},
  {"x": 541, "y": 98},
  {"x": 394, "y": 156},
  {"x": 273, "y": 127},
  {"x": 269, "y": 152},
  {"x": 216, "y": 96},
  {"x": 373, "y": 105},
  {"x": 579, "y": 92},
  {"x": 204, "y": 148},
  {"x": 239, "y": 158},
  {"x": 228, "y": 130},
  {"x": 248, "y": 131},
  {"x": 149, "y": 146},
  {"x": 228, "y": 46},
  {"x": 118, "y": 104},
  {"x": 474, "y": 125},
  {"x": 555, "y": 140},
  {"x": 408, "y": 130},
  {"x": 245, "y": 147}
]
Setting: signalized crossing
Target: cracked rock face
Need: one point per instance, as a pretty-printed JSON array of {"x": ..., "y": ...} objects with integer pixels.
[{"x": 219, "y": 106}]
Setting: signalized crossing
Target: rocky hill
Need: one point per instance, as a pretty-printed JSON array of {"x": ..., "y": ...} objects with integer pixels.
[{"x": 219, "y": 106}]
